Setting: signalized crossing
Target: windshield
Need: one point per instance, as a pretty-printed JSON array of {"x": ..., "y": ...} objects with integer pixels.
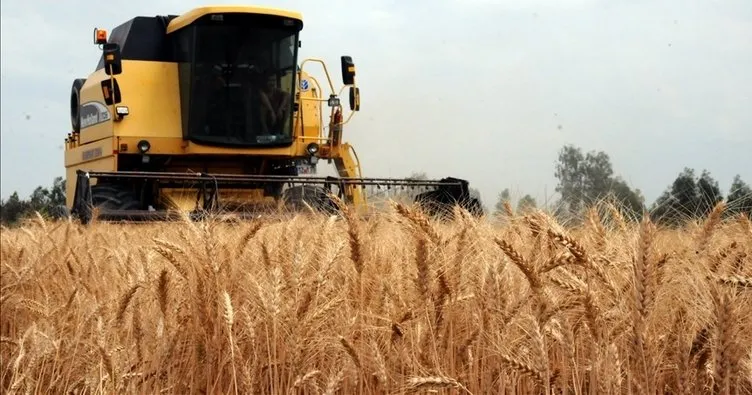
[{"x": 241, "y": 83}]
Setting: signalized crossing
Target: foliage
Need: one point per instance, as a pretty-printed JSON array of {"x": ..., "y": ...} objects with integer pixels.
[
  {"x": 503, "y": 197},
  {"x": 585, "y": 179},
  {"x": 739, "y": 199},
  {"x": 691, "y": 197},
  {"x": 42, "y": 200},
  {"x": 526, "y": 203}
]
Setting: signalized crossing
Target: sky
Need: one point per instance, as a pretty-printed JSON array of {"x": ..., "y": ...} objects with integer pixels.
[{"x": 485, "y": 90}]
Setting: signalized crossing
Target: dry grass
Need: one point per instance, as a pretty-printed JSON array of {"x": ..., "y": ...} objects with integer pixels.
[{"x": 392, "y": 304}]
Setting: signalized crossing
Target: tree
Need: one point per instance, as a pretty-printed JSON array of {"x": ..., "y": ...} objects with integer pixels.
[
  {"x": 587, "y": 178},
  {"x": 631, "y": 202},
  {"x": 684, "y": 189},
  {"x": 526, "y": 203},
  {"x": 597, "y": 171},
  {"x": 570, "y": 174},
  {"x": 503, "y": 197},
  {"x": 13, "y": 209},
  {"x": 687, "y": 197},
  {"x": 57, "y": 193},
  {"x": 421, "y": 175},
  {"x": 708, "y": 194},
  {"x": 42, "y": 200},
  {"x": 583, "y": 179},
  {"x": 739, "y": 199},
  {"x": 678, "y": 201}
]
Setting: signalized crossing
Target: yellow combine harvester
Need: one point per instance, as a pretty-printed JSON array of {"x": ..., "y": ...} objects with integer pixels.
[{"x": 209, "y": 112}]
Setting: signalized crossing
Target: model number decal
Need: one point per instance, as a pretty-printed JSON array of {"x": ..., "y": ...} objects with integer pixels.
[
  {"x": 91, "y": 153},
  {"x": 93, "y": 113}
]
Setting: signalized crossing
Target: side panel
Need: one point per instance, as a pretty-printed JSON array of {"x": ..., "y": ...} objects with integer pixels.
[
  {"x": 150, "y": 90},
  {"x": 308, "y": 120},
  {"x": 89, "y": 152},
  {"x": 96, "y": 115},
  {"x": 178, "y": 146},
  {"x": 95, "y": 156}
]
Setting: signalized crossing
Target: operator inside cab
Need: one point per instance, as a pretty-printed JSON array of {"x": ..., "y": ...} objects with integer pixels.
[
  {"x": 275, "y": 105},
  {"x": 241, "y": 85}
]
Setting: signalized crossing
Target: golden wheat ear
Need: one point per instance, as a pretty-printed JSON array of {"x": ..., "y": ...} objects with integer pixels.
[
  {"x": 125, "y": 308},
  {"x": 710, "y": 225},
  {"x": 745, "y": 222}
]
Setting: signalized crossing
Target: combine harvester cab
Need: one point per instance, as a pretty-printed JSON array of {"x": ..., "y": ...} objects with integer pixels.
[{"x": 210, "y": 112}]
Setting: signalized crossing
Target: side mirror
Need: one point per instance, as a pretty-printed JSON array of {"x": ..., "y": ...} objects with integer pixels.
[
  {"x": 348, "y": 70},
  {"x": 112, "y": 60},
  {"x": 111, "y": 91},
  {"x": 354, "y": 98}
]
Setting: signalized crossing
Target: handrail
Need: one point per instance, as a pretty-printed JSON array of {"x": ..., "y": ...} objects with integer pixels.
[
  {"x": 325, "y": 139},
  {"x": 357, "y": 160},
  {"x": 323, "y": 99},
  {"x": 326, "y": 71}
]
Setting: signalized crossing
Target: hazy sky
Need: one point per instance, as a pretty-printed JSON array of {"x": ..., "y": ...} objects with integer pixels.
[{"x": 488, "y": 90}]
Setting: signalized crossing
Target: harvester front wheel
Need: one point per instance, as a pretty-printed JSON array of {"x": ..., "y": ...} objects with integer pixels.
[
  {"x": 60, "y": 212},
  {"x": 114, "y": 197},
  {"x": 296, "y": 198},
  {"x": 75, "y": 103},
  {"x": 474, "y": 207},
  {"x": 439, "y": 204}
]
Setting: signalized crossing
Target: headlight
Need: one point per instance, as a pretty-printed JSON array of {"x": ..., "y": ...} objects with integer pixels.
[
  {"x": 122, "y": 110},
  {"x": 312, "y": 148},
  {"x": 143, "y": 146},
  {"x": 333, "y": 101}
]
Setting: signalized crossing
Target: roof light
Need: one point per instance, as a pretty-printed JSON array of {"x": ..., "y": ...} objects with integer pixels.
[{"x": 100, "y": 36}]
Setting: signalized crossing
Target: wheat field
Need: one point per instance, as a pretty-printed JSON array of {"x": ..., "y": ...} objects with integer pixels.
[{"x": 394, "y": 303}]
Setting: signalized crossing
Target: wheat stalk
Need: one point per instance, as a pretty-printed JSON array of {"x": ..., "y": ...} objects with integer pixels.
[{"x": 465, "y": 305}]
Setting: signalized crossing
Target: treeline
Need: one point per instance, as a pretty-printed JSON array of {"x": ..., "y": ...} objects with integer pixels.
[
  {"x": 585, "y": 179},
  {"x": 42, "y": 200}
]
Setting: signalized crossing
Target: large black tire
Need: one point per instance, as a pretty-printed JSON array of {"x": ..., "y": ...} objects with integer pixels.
[
  {"x": 314, "y": 196},
  {"x": 440, "y": 204},
  {"x": 114, "y": 197},
  {"x": 60, "y": 213},
  {"x": 474, "y": 207},
  {"x": 75, "y": 103},
  {"x": 435, "y": 204}
]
